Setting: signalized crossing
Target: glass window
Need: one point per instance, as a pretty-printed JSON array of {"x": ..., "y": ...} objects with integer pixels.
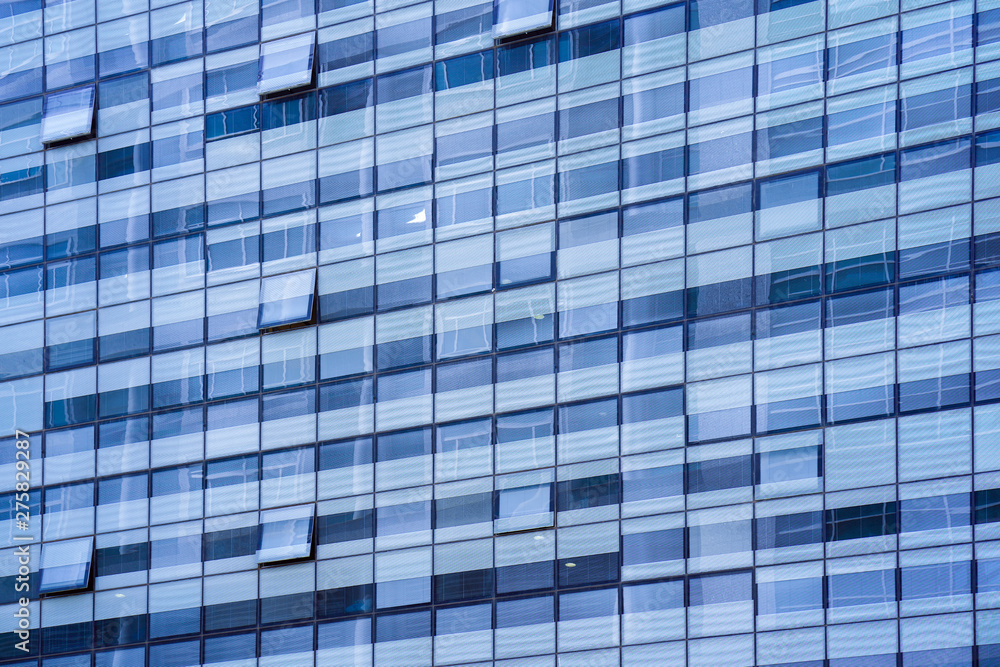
[
  {"x": 286, "y": 64},
  {"x": 865, "y": 122},
  {"x": 951, "y": 511},
  {"x": 514, "y": 17},
  {"x": 286, "y": 299},
  {"x": 939, "y": 106},
  {"x": 352, "y": 632},
  {"x": 788, "y": 189},
  {"x": 716, "y": 539},
  {"x": 653, "y": 597},
  {"x": 527, "y": 611},
  {"x": 402, "y": 38},
  {"x": 943, "y": 657},
  {"x": 65, "y": 565},
  {"x": 785, "y": 465},
  {"x": 651, "y": 25},
  {"x": 703, "y": 334},
  {"x": 789, "y": 596},
  {"x": 588, "y": 604},
  {"x": 653, "y": 547},
  {"x": 716, "y": 89},
  {"x": 464, "y": 435},
  {"x": 463, "y": 70},
  {"x": 346, "y": 97},
  {"x": 587, "y": 492},
  {"x": 462, "y": 146},
  {"x": 345, "y": 527},
  {"x": 404, "y": 444},
  {"x": 706, "y": 13},
  {"x": 404, "y": 84},
  {"x": 651, "y": 483},
  {"x": 789, "y": 73},
  {"x": 875, "y": 54},
  {"x": 789, "y": 530},
  {"x": 404, "y": 518},
  {"x": 68, "y": 114},
  {"x": 849, "y": 523},
  {"x": 589, "y": 40},
  {"x": 524, "y": 501},
  {"x": 464, "y": 374},
  {"x": 394, "y": 627},
  {"x": 720, "y": 588},
  {"x": 938, "y": 580},
  {"x": 232, "y": 122},
  {"x": 463, "y": 510},
  {"x": 467, "y": 618},
  {"x": 869, "y": 172},
  {"x": 647, "y": 105},
  {"x": 987, "y": 148},
  {"x": 285, "y": 463},
  {"x": 934, "y": 159},
  {"x": 461, "y": 23},
  {"x": 122, "y": 489},
  {"x": 526, "y": 56},
  {"x": 121, "y": 559},
  {"x": 987, "y": 506},
  {"x": 123, "y": 161},
  {"x": 352, "y": 50},
  {"x": 69, "y": 497},
  {"x": 934, "y": 294},
  {"x": 237, "y": 470},
  {"x": 937, "y": 39},
  {"x": 587, "y": 119},
  {"x": 714, "y": 475},
  {"x": 287, "y": 538},
  {"x": 790, "y": 138}
]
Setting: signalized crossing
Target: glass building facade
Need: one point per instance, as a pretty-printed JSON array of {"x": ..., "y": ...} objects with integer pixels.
[{"x": 389, "y": 333}]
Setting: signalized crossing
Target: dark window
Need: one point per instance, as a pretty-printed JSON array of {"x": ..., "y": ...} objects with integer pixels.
[
  {"x": 333, "y": 528},
  {"x": 230, "y": 543},
  {"x": 987, "y": 506},
  {"x": 119, "y": 560},
  {"x": 587, "y": 492},
  {"x": 850, "y": 523}
]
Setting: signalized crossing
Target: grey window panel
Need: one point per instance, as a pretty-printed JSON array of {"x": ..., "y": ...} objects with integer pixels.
[
  {"x": 524, "y": 508},
  {"x": 66, "y": 565},
  {"x": 286, "y": 299},
  {"x": 515, "y": 17},
  {"x": 68, "y": 115},
  {"x": 286, "y": 64},
  {"x": 285, "y": 540}
]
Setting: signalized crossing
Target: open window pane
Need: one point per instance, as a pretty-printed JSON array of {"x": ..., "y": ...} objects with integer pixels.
[
  {"x": 285, "y": 534},
  {"x": 286, "y": 64},
  {"x": 68, "y": 114},
  {"x": 513, "y": 17},
  {"x": 66, "y": 565},
  {"x": 286, "y": 299},
  {"x": 523, "y": 508}
]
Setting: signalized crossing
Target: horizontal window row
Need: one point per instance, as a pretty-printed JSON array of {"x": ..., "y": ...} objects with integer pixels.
[
  {"x": 73, "y": 340},
  {"x": 66, "y": 565},
  {"x": 416, "y": 37},
  {"x": 250, "y": 376},
  {"x": 293, "y": 67},
  {"x": 854, "y": 176},
  {"x": 351, "y": 634},
  {"x": 530, "y": 507},
  {"x": 871, "y": 589},
  {"x": 820, "y": 409}
]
